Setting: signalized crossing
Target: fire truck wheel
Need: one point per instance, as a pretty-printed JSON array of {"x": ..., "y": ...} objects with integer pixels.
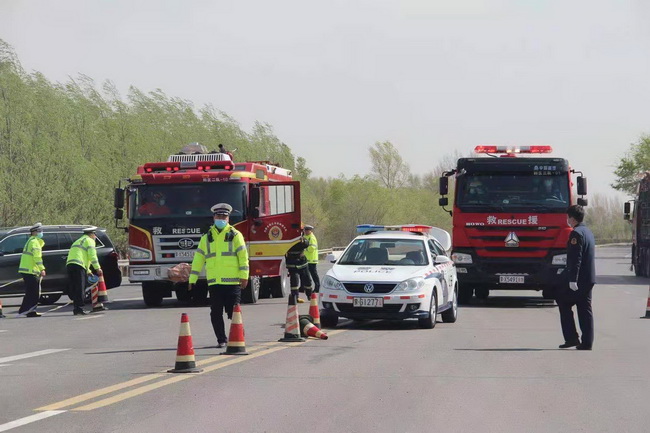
[
  {"x": 280, "y": 285},
  {"x": 49, "y": 298},
  {"x": 482, "y": 293},
  {"x": 152, "y": 294},
  {"x": 251, "y": 293},
  {"x": 430, "y": 322},
  {"x": 182, "y": 294},
  {"x": 465, "y": 295}
]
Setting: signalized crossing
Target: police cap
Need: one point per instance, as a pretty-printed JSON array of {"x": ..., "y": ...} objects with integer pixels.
[
  {"x": 91, "y": 229},
  {"x": 38, "y": 227},
  {"x": 309, "y": 227},
  {"x": 221, "y": 209}
]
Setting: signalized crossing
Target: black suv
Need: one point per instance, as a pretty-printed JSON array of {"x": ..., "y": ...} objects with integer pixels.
[{"x": 58, "y": 240}]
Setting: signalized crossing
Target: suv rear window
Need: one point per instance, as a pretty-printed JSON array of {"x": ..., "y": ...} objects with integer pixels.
[{"x": 13, "y": 244}]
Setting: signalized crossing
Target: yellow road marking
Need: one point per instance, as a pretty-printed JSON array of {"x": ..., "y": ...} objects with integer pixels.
[
  {"x": 219, "y": 361},
  {"x": 147, "y": 388}
]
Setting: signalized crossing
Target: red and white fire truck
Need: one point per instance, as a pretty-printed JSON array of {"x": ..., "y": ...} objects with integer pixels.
[
  {"x": 167, "y": 205},
  {"x": 509, "y": 219}
]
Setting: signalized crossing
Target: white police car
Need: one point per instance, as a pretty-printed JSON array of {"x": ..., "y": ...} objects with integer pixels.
[{"x": 392, "y": 272}]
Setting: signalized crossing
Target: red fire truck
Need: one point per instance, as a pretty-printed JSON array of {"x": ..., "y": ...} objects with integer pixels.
[
  {"x": 167, "y": 205},
  {"x": 509, "y": 219},
  {"x": 640, "y": 219}
]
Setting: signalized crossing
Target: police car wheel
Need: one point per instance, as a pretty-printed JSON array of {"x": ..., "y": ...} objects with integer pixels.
[
  {"x": 430, "y": 322},
  {"x": 450, "y": 316},
  {"x": 329, "y": 320}
]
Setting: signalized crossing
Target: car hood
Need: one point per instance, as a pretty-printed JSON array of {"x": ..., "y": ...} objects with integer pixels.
[{"x": 351, "y": 273}]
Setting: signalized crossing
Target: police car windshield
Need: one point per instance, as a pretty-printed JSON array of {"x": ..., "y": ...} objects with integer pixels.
[
  {"x": 184, "y": 201},
  {"x": 385, "y": 252},
  {"x": 510, "y": 191}
]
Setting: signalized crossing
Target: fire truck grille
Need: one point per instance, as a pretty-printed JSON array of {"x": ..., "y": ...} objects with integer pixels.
[
  {"x": 510, "y": 268},
  {"x": 175, "y": 248},
  {"x": 501, "y": 238}
]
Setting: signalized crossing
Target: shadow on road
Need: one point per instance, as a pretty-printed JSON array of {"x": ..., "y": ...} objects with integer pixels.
[
  {"x": 516, "y": 349},
  {"x": 630, "y": 280},
  {"x": 511, "y": 302}
]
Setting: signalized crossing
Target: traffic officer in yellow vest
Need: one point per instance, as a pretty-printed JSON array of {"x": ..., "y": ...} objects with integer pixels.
[
  {"x": 312, "y": 256},
  {"x": 81, "y": 257},
  {"x": 223, "y": 252},
  {"x": 32, "y": 270}
]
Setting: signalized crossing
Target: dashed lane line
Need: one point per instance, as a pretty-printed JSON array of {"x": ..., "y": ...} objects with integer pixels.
[
  {"x": 30, "y": 355},
  {"x": 29, "y": 419},
  {"x": 90, "y": 317}
]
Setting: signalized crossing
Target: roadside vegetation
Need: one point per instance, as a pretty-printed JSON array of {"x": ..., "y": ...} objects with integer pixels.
[{"x": 65, "y": 146}]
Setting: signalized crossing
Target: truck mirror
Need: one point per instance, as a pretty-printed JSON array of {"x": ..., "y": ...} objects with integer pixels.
[
  {"x": 119, "y": 214},
  {"x": 582, "y": 185},
  {"x": 443, "y": 201},
  {"x": 583, "y": 201},
  {"x": 254, "y": 204},
  {"x": 444, "y": 185},
  {"x": 626, "y": 210},
  {"x": 118, "y": 199}
]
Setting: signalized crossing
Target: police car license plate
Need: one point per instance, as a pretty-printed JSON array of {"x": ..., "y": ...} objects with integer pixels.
[
  {"x": 185, "y": 254},
  {"x": 368, "y": 302},
  {"x": 511, "y": 279}
]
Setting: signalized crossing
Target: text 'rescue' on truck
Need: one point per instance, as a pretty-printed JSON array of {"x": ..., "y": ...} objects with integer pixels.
[
  {"x": 167, "y": 205},
  {"x": 509, "y": 219},
  {"x": 640, "y": 219}
]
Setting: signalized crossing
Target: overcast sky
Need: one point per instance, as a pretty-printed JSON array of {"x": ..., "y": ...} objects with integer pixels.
[{"x": 333, "y": 77}]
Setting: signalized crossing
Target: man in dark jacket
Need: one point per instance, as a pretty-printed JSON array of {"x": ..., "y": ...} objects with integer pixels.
[
  {"x": 581, "y": 273},
  {"x": 299, "y": 278}
]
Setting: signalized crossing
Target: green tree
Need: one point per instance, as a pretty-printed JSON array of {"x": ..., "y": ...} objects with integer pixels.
[
  {"x": 388, "y": 167},
  {"x": 632, "y": 166}
]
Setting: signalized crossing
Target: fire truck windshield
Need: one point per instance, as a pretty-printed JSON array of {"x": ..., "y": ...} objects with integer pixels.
[
  {"x": 186, "y": 200},
  {"x": 513, "y": 191}
]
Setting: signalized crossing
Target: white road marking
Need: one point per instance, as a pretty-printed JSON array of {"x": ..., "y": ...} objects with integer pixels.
[
  {"x": 91, "y": 317},
  {"x": 5, "y": 365},
  {"x": 29, "y": 419},
  {"x": 127, "y": 299},
  {"x": 30, "y": 355},
  {"x": 59, "y": 307},
  {"x": 3, "y": 330}
]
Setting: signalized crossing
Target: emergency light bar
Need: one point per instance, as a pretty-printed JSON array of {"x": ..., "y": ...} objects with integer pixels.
[
  {"x": 365, "y": 228},
  {"x": 513, "y": 149}
]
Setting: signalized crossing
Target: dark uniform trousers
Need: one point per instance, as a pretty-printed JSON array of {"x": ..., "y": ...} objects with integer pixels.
[
  {"x": 313, "y": 271},
  {"x": 222, "y": 296},
  {"x": 78, "y": 278},
  {"x": 582, "y": 300},
  {"x": 31, "y": 293},
  {"x": 299, "y": 277}
]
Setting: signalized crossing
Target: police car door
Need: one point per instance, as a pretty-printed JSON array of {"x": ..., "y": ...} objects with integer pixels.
[{"x": 445, "y": 282}]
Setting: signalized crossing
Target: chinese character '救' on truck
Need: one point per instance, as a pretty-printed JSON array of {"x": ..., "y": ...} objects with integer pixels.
[
  {"x": 167, "y": 205},
  {"x": 509, "y": 219}
]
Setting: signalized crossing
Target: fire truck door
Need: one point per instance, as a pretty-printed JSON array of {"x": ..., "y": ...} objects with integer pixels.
[{"x": 275, "y": 212}]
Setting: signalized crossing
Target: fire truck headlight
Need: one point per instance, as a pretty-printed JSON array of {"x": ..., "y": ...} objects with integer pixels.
[
  {"x": 462, "y": 259},
  {"x": 136, "y": 253},
  {"x": 559, "y": 260},
  {"x": 332, "y": 283},
  {"x": 410, "y": 285}
]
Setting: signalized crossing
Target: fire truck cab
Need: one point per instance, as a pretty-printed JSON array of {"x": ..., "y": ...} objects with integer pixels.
[
  {"x": 167, "y": 205},
  {"x": 509, "y": 219}
]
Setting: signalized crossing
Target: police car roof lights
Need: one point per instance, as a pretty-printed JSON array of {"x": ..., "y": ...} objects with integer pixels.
[
  {"x": 513, "y": 149},
  {"x": 415, "y": 228}
]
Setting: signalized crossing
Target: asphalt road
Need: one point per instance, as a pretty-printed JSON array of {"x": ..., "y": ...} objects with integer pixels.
[{"x": 497, "y": 369}]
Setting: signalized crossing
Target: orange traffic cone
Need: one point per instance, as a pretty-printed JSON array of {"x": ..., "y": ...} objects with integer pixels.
[
  {"x": 310, "y": 329},
  {"x": 103, "y": 293},
  {"x": 93, "y": 295},
  {"x": 291, "y": 331},
  {"x": 2, "y": 316},
  {"x": 314, "y": 312},
  {"x": 647, "y": 308},
  {"x": 185, "y": 362},
  {"x": 236, "y": 344}
]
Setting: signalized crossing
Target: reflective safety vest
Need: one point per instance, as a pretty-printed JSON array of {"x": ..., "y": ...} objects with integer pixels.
[
  {"x": 224, "y": 255},
  {"x": 31, "y": 261},
  {"x": 83, "y": 253},
  {"x": 312, "y": 250}
]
